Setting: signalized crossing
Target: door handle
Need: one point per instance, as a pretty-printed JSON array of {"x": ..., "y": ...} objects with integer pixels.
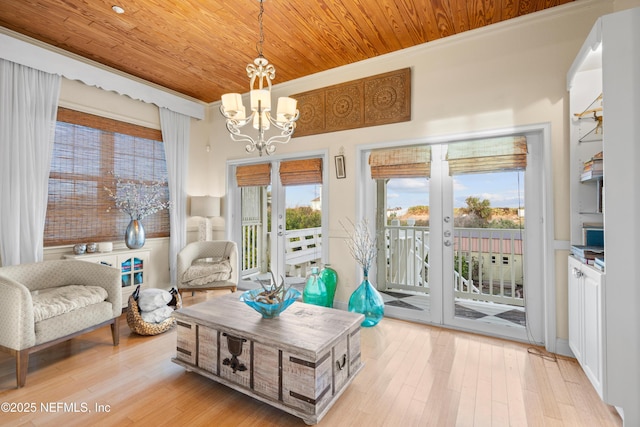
[
  {"x": 447, "y": 233},
  {"x": 447, "y": 218},
  {"x": 447, "y": 242}
]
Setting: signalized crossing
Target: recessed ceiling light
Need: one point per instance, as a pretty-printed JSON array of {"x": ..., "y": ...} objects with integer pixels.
[{"x": 117, "y": 9}]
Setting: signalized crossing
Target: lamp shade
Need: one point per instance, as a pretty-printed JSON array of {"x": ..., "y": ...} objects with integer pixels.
[
  {"x": 232, "y": 103},
  {"x": 264, "y": 124},
  {"x": 206, "y": 206},
  {"x": 262, "y": 95},
  {"x": 286, "y": 108}
]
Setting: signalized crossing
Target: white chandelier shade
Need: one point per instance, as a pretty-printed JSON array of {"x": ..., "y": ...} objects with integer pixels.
[{"x": 260, "y": 73}]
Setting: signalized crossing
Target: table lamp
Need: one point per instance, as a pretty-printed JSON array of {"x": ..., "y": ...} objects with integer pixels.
[{"x": 206, "y": 207}]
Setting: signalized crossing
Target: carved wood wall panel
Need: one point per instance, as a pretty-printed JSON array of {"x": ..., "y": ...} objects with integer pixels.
[{"x": 372, "y": 101}]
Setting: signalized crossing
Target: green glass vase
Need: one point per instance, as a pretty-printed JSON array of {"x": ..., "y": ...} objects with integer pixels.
[
  {"x": 330, "y": 278},
  {"x": 315, "y": 291},
  {"x": 367, "y": 300}
]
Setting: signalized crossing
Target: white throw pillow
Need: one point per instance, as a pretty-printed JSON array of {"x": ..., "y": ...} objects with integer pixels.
[
  {"x": 158, "y": 315},
  {"x": 151, "y": 299}
]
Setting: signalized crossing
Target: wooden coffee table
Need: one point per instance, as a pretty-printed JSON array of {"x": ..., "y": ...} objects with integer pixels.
[{"x": 300, "y": 362}]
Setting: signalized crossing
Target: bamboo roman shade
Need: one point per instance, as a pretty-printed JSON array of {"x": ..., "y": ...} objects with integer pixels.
[
  {"x": 89, "y": 152},
  {"x": 107, "y": 125},
  {"x": 488, "y": 155},
  {"x": 299, "y": 172},
  {"x": 405, "y": 162},
  {"x": 253, "y": 175}
]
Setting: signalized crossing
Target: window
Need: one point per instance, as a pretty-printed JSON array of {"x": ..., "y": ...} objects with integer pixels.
[
  {"x": 505, "y": 260},
  {"x": 89, "y": 152}
]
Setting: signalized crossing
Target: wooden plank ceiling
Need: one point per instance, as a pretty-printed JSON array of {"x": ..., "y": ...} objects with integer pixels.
[{"x": 200, "y": 48}]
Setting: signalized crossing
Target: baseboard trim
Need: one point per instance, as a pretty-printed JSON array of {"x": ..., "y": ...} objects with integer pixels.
[{"x": 562, "y": 348}]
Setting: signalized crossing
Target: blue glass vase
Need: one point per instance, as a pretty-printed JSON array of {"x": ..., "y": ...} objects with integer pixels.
[
  {"x": 330, "y": 279},
  {"x": 367, "y": 300},
  {"x": 315, "y": 291}
]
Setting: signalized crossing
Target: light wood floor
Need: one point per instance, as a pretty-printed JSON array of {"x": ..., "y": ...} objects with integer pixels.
[{"x": 414, "y": 375}]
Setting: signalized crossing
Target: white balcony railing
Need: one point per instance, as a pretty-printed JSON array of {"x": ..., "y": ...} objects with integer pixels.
[
  {"x": 252, "y": 254},
  {"x": 303, "y": 249},
  {"x": 407, "y": 258},
  {"x": 491, "y": 262},
  {"x": 487, "y": 262}
]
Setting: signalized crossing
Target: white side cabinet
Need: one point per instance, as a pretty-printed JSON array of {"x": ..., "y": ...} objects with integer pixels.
[
  {"x": 607, "y": 338},
  {"x": 586, "y": 285},
  {"x": 620, "y": 33},
  {"x": 134, "y": 264}
]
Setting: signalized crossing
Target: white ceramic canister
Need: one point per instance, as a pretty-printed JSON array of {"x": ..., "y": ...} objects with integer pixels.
[{"x": 105, "y": 247}]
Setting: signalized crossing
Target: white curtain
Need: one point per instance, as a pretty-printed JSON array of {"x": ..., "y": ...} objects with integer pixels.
[
  {"x": 28, "y": 108},
  {"x": 175, "y": 134}
]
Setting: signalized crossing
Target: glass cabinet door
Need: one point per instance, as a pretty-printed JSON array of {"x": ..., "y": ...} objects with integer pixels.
[{"x": 132, "y": 271}]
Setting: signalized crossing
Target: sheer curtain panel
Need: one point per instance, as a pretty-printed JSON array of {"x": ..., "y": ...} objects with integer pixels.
[
  {"x": 175, "y": 133},
  {"x": 28, "y": 106}
]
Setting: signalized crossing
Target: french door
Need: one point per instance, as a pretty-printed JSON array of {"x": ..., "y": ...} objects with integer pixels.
[
  {"x": 278, "y": 223},
  {"x": 457, "y": 256}
]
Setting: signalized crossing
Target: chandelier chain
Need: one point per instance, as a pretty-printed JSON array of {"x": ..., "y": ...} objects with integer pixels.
[
  {"x": 260, "y": 115},
  {"x": 261, "y": 39}
]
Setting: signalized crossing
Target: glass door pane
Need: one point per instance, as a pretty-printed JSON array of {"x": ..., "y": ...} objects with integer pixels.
[
  {"x": 488, "y": 247},
  {"x": 255, "y": 224},
  {"x": 405, "y": 275},
  {"x": 303, "y": 229},
  {"x": 280, "y": 229}
]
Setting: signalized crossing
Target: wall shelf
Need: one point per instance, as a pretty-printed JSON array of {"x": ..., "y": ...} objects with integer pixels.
[{"x": 590, "y": 122}]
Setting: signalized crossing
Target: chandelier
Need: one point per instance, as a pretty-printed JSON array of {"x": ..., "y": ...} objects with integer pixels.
[{"x": 260, "y": 73}]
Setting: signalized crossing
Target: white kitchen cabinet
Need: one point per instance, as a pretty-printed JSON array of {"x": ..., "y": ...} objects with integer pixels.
[{"x": 586, "y": 286}]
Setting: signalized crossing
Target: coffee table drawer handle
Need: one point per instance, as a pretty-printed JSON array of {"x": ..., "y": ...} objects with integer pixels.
[
  {"x": 340, "y": 364},
  {"x": 234, "y": 345}
]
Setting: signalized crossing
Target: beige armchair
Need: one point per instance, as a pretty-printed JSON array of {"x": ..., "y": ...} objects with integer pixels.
[
  {"x": 45, "y": 303},
  {"x": 208, "y": 265}
]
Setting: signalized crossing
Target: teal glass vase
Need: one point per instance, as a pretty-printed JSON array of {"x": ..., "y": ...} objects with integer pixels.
[
  {"x": 330, "y": 279},
  {"x": 367, "y": 300},
  {"x": 315, "y": 291}
]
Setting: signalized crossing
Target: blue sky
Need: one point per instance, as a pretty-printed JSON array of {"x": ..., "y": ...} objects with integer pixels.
[
  {"x": 302, "y": 195},
  {"x": 501, "y": 189}
]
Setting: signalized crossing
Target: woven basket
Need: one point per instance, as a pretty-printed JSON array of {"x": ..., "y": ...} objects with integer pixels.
[{"x": 141, "y": 327}]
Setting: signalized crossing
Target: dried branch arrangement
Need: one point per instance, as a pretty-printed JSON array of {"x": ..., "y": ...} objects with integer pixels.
[
  {"x": 361, "y": 243},
  {"x": 138, "y": 199}
]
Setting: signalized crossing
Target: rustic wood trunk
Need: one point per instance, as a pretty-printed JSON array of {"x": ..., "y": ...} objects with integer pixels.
[{"x": 299, "y": 362}]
